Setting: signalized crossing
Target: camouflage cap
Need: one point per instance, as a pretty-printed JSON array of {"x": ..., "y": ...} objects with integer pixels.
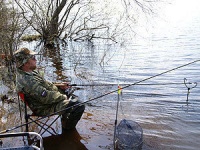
[{"x": 22, "y": 56}]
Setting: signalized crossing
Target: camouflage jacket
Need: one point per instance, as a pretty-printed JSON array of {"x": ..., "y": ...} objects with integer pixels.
[{"x": 41, "y": 95}]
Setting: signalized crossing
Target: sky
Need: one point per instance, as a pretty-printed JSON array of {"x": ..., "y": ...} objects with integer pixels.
[{"x": 179, "y": 13}]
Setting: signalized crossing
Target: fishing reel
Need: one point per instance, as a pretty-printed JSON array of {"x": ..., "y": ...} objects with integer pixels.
[{"x": 69, "y": 91}]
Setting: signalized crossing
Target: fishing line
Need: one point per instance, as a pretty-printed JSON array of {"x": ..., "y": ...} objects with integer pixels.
[{"x": 4, "y": 131}]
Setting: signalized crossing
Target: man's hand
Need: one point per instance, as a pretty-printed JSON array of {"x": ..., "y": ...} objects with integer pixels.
[{"x": 63, "y": 85}]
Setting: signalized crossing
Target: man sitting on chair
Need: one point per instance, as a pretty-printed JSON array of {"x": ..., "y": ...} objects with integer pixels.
[{"x": 43, "y": 97}]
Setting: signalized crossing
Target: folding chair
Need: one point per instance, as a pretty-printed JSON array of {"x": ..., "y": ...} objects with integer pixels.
[
  {"x": 25, "y": 146},
  {"x": 45, "y": 123}
]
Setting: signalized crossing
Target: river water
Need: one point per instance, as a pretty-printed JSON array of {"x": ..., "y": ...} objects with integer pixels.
[{"x": 159, "y": 103}]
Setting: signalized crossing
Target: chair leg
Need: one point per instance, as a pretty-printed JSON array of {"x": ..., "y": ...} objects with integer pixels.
[
  {"x": 26, "y": 117},
  {"x": 49, "y": 126},
  {"x": 45, "y": 126}
]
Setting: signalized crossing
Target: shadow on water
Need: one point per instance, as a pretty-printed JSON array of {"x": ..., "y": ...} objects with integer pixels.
[{"x": 67, "y": 140}]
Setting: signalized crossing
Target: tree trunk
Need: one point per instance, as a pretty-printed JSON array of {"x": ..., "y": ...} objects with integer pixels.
[{"x": 52, "y": 29}]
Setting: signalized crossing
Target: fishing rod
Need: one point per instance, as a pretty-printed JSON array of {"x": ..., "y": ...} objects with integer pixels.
[
  {"x": 124, "y": 84},
  {"x": 92, "y": 99},
  {"x": 116, "y": 116}
]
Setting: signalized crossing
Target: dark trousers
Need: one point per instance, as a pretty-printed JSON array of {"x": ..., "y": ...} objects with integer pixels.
[{"x": 71, "y": 116}]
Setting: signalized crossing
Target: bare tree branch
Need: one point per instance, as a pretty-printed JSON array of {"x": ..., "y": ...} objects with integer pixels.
[{"x": 74, "y": 18}]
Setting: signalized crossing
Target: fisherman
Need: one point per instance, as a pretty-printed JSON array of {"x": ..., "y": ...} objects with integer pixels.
[{"x": 43, "y": 97}]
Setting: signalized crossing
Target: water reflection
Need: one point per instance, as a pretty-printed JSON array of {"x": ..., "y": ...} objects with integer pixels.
[
  {"x": 67, "y": 140},
  {"x": 54, "y": 54}
]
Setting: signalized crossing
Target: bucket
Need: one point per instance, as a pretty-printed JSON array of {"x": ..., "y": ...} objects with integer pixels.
[{"x": 129, "y": 135}]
